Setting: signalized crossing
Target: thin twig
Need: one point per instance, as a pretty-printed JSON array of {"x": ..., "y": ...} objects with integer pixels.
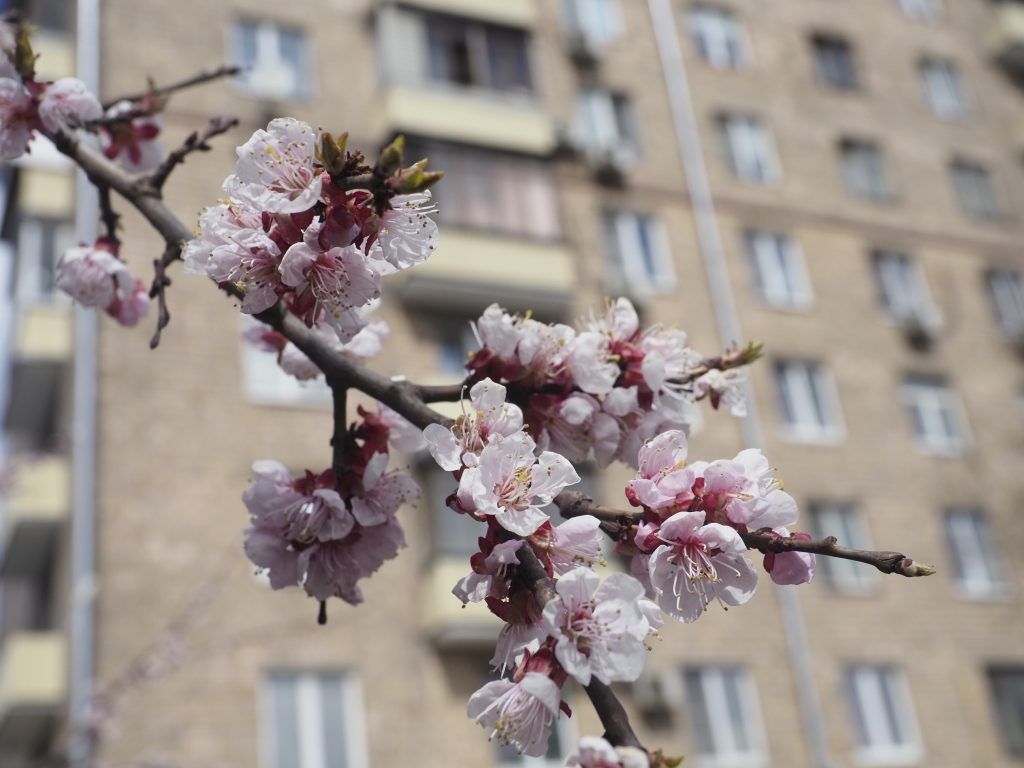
[
  {"x": 339, "y": 439},
  {"x": 158, "y": 290},
  {"x": 111, "y": 218},
  {"x": 574, "y": 504},
  {"x": 194, "y": 142},
  {"x": 200, "y": 78}
]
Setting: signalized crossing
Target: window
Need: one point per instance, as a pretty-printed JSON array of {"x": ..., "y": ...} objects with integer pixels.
[
  {"x": 973, "y": 186},
  {"x": 454, "y": 534},
  {"x": 809, "y": 404},
  {"x": 52, "y": 15},
  {"x": 843, "y": 522},
  {"x": 599, "y": 22},
  {"x": 944, "y": 89},
  {"x": 264, "y": 383},
  {"x": 606, "y": 123},
  {"x": 1008, "y": 697},
  {"x": 976, "y": 560},
  {"x": 275, "y": 60},
  {"x": 936, "y": 415},
  {"x": 493, "y": 191},
  {"x": 882, "y": 714},
  {"x": 749, "y": 149},
  {"x": 469, "y": 53},
  {"x": 313, "y": 720},
  {"x": 41, "y": 242},
  {"x": 718, "y": 37},
  {"x": 1007, "y": 288},
  {"x": 725, "y": 714},
  {"x": 638, "y": 246},
  {"x": 903, "y": 289},
  {"x": 833, "y": 59},
  {"x": 778, "y": 267},
  {"x": 921, "y": 10},
  {"x": 455, "y": 342},
  {"x": 863, "y": 170}
]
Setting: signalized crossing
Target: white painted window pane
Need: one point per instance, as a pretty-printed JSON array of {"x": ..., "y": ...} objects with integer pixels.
[
  {"x": 943, "y": 89},
  {"x": 310, "y": 721},
  {"x": 1008, "y": 293},
  {"x": 749, "y": 149},
  {"x": 843, "y": 522},
  {"x": 935, "y": 413},
  {"x": 1008, "y": 696},
  {"x": 976, "y": 560},
  {"x": 921, "y": 10},
  {"x": 718, "y": 37},
  {"x": 599, "y": 21},
  {"x": 974, "y": 190},
  {"x": 884, "y": 723},
  {"x": 779, "y": 269},
  {"x": 283, "y": 736},
  {"x": 274, "y": 57},
  {"x": 863, "y": 171}
]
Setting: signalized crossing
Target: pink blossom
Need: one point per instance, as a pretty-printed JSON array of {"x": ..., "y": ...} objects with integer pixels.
[
  {"x": 570, "y": 425},
  {"x": 595, "y": 752},
  {"x": 491, "y": 568},
  {"x": 95, "y": 277},
  {"x": 488, "y": 415},
  {"x": 747, "y": 492},
  {"x": 307, "y": 510},
  {"x": 696, "y": 564},
  {"x": 406, "y": 235},
  {"x": 595, "y": 360},
  {"x": 518, "y": 713},
  {"x": 333, "y": 568},
  {"x": 132, "y": 142},
  {"x": 276, "y": 170},
  {"x": 402, "y": 435},
  {"x": 68, "y": 104},
  {"x": 331, "y": 286},
  {"x": 598, "y": 627},
  {"x": 383, "y": 492},
  {"x": 726, "y": 388},
  {"x": 663, "y": 480},
  {"x": 17, "y": 118},
  {"x": 569, "y": 545},
  {"x": 512, "y": 485},
  {"x": 132, "y": 307},
  {"x": 790, "y": 567}
]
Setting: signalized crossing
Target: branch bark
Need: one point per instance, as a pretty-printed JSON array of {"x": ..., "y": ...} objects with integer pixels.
[
  {"x": 194, "y": 142},
  {"x": 205, "y": 76}
]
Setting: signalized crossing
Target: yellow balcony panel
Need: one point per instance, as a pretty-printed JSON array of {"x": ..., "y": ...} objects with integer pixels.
[
  {"x": 471, "y": 118},
  {"x": 38, "y": 504},
  {"x": 33, "y": 688},
  {"x": 470, "y": 270},
  {"x": 518, "y": 13},
  {"x": 47, "y": 193},
  {"x": 445, "y": 618},
  {"x": 56, "y": 54},
  {"x": 44, "y": 333},
  {"x": 1006, "y": 41}
]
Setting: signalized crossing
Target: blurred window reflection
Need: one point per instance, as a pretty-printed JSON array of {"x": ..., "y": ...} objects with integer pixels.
[
  {"x": 835, "y": 64},
  {"x": 807, "y": 395},
  {"x": 779, "y": 271},
  {"x": 973, "y": 186},
  {"x": 864, "y": 170},
  {"x": 935, "y": 414},
  {"x": 844, "y": 522},
  {"x": 944, "y": 89},
  {"x": 1008, "y": 696},
  {"x": 275, "y": 59},
  {"x": 718, "y": 37},
  {"x": 640, "y": 257},
  {"x": 749, "y": 149},
  {"x": 41, "y": 242},
  {"x": 725, "y": 714},
  {"x": 598, "y": 21},
  {"x": 921, "y": 10},
  {"x": 883, "y": 715},
  {"x": 976, "y": 562},
  {"x": 606, "y": 123},
  {"x": 469, "y": 53},
  {"x": 903, "y": 289},
  {"x": 1007, "y": 286}
]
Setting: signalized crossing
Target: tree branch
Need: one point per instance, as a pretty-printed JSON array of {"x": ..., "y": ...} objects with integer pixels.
[
  {"x": 574, "y": 504},
  {"x": 339, "y": 397},
  {"x": 200, "y": 78},
  {"x": 194, "y": 142},
  {"x": 110, "y": 218}
]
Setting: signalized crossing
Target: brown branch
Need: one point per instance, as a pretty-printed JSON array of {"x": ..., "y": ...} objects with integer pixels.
[
  {"x": 194, "y": 142},
  {"x": 339, "y": 438},
  {"x": 200, "y": 78},
  {"x": 617, "y": 728},
  {"x": 110, "y": 218},
  {"x": 574, "y": 504},
  {"x": 158, "y": 289}
]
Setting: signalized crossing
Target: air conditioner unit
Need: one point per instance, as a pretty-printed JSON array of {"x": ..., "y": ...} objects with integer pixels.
[
  {"x": 583, "y": 50},
  {"x": 658, "y": 695},
  {"x": 921, "y": 325},
  {"x": 611, "y": 163}
]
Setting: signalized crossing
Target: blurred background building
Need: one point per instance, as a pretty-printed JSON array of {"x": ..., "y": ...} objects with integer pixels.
[{"x": 839, "y": 179}]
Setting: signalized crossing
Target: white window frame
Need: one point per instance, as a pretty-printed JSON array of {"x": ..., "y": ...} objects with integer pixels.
[
  {"x": 750, "y": 147},
  {"x": 797, "y": 382},
  {"x": 980, "y": 180},
  {"x": 264, "y": 383},
  {"x": 598, "y": 22},
  {"x": 928, "y": 11},
  {"x": 606, "y": 124},
  {"x": 978, "y": 568},
  {"x": 944, "y": 88},
  {"x": 29, "y": 256},
  {"x": 266, "y": 80},
  {"x": 565, "y": 729},
  {"x": 868, "y": 688},
  {"x": 1007, "y": 289},
  {"x": 1011, "y": 730},
  {"x": 845, "y": 522},
  {"x": 624, "y": 230},
  {"x": 904, "y": 289},
  {"x": 865, "y": 175},
  {"x": 308, "y": 696},
  {"x": 932, "y": 399},
  {"x": 723, "y": 732},
  {"x": 719, "y": 37},
  {"x": 780, "y": 269}
]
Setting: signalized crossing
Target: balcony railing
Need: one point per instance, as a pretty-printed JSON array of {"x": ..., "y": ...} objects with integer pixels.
[
  {"x": 517, "y": 13},
  {"x": 33, "y": 689},
  {"x": 36, "y": 508}
]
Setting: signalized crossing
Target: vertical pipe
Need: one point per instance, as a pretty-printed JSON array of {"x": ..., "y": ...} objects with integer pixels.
[
  {"x": 83, "y": 436},
  {"x": 727, "y": 319}
]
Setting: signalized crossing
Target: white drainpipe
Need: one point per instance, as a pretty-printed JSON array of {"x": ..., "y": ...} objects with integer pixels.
[
  {"x": 710, "y": 241},
  {"x": 81, "y": 628}
]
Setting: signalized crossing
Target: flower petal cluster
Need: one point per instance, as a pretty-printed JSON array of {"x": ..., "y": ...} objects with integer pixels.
[
  {"x": 130, "y": 139},
  {"x": 68, "y": 104},
  {"x": 519, "y": 713},
  {"x": 290, "y": 231},
  {"x": 487, "y": 417},
  {"x": 327, "y": 532},
  {"x": 595, "y": 752},
  {"x": 598, "y": 627},
  {"x": 95, "y": 277},
  {"x": 512, "y": 485},
  {"x": 688, "y": 548},
  {"x": 602, "y": 390},
  {"x": 18, "y": 116}
]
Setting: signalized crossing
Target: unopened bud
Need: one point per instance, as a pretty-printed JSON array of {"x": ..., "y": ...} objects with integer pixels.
[
  {"x": 415, "y": 178},
  {"x": 391, "y": 157}
]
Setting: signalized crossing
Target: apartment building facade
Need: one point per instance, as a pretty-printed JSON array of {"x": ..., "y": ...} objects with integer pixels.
[{"x": 840, "y": 180}]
